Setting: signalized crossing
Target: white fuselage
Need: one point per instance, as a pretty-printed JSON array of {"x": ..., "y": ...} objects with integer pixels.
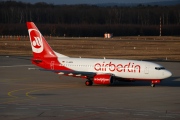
[{"x": 130, "y": 69}]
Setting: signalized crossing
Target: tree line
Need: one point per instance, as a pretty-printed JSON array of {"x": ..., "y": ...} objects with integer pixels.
[{"x": 89, "y": 20}]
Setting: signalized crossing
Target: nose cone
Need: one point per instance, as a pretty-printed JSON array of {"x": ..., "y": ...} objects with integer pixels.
[{"x": 167, "y": 74}]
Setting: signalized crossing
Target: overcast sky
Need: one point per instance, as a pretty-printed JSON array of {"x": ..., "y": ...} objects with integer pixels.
[{"x": 90, "y": 1}]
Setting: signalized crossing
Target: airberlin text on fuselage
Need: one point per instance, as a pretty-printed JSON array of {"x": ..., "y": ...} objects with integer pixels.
[{"x": 129, "y": 67}]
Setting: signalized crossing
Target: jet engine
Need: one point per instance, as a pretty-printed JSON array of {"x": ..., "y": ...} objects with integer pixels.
[{"x": 104, "y": 79}]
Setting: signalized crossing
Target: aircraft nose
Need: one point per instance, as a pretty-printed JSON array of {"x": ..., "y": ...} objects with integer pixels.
[{"x": 168, "y": 74}]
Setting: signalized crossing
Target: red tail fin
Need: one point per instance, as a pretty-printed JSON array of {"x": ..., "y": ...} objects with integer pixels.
[
  {"x": 43, "y": 55},
  {"x": 40, "y": 47}
]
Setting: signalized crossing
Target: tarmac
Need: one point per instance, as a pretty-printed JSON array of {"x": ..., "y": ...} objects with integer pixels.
[{"x": 27, "y": 93}]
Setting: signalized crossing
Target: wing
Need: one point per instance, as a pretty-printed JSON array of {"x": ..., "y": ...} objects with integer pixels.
[{"x": 72, "y": 73}]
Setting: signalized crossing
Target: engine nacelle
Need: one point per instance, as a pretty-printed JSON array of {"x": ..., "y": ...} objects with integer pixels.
[
  {"x": 105, "y": 79},
  {"x": 155, "y": 81}
]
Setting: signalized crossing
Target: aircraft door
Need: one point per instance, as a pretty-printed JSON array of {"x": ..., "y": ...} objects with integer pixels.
[
  {"x": 146, "y": 70},
  {"x": 52, "y": 65}
]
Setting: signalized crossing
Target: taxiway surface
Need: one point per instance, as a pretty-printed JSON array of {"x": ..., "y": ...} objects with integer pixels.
[{"x": 32, "y": 94}]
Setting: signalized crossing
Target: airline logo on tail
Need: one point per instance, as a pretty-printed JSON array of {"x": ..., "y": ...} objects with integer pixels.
[{"x": 36, "y": 40}]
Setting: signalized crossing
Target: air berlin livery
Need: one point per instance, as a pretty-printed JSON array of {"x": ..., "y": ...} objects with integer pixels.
[{"x": 98, "y": 71}]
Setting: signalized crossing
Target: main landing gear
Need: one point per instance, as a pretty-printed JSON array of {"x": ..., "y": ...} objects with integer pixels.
[
  {"x": 89, "y": 83},
  {"x": 154, "y": 82},
  {"x": 153, "y": 85}
]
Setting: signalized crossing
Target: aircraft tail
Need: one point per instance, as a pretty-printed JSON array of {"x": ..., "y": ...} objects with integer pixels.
[
  {"x": 43, "y": 54},
  {"x": 40, "y": 47}
]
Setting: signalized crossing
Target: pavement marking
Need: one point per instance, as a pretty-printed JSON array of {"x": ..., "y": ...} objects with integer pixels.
[
  {"x": 88, "y": 111},
  {"x": 140, "y": 114},
  {"x": 2, "y": 107},
  {"x": 15, "y": 98},
  {"x": 166, "y": 116},
  {"x": 22, "y": 108},
  {"x": 15, "y": 66},
  {"x": 14, "y": 101},
  {"x": 69, "y": 110},
  {"x": 113, "y": 113},
  {"x": 29, "y": 106},
  {"x": 11, "y": 80},
  {"x": 59, "y": 87},
  {"x": 27, "y": 93},
  {"x": 43, "y": 109},
  {"x": 10, "y": 93}
]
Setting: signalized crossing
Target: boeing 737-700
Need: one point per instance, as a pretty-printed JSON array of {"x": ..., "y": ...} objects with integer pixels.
[{"x": 98, "y": 71}]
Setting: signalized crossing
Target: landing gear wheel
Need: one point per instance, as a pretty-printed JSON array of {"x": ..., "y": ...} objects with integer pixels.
[
  {"x": 88, "y": 83},
  {"x": 152, "y": 85}
]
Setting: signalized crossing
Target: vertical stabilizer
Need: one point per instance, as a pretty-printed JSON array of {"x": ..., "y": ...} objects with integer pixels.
[
  {"x": 43, "y": 55},
  {"x": 40, "y": 47}
]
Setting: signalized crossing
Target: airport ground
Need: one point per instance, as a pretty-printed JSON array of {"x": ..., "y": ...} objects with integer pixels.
[
  {"x": 134, "y": 47},
  {"x": 32, "y": 94},
  {"x": 29, "y": 94}
]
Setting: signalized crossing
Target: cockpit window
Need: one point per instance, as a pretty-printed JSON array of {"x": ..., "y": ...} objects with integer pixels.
[{"x": 159, "y": 68}]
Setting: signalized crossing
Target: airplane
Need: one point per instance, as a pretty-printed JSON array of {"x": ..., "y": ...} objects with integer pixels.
[{"x": 98, "y": 71}]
